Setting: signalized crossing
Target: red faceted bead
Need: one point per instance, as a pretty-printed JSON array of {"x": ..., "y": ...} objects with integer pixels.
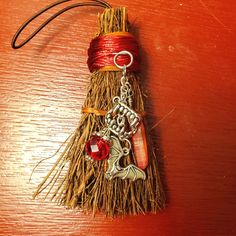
[{"x": 97, "y": 148}]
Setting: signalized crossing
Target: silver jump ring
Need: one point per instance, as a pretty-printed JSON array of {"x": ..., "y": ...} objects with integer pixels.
[{"x": 123, "y": 53}]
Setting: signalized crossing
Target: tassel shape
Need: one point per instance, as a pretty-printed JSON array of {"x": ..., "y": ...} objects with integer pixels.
[{"x": 83, "y": 184}]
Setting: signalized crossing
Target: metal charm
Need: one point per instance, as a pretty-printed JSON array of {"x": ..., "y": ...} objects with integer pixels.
[
  {"x": 122, "y": 120},
  {"x": 115, "y": 170},
  {"x": 121, "y": 123}
]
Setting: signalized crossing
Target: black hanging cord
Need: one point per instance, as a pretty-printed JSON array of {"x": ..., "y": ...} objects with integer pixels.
[{"x": 93, "y": 3}]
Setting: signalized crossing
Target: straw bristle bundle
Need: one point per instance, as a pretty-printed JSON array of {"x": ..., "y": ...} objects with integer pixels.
[{"x": 84, "y": 185}]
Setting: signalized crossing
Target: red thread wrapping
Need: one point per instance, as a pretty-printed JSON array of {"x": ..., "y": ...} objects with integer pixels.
[{"x": 102, "y": 49}]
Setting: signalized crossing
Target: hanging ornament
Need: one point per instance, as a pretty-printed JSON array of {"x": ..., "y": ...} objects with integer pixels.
[
  {"x": 97, "y": 148},
  {"x": 111, "y": 164}
]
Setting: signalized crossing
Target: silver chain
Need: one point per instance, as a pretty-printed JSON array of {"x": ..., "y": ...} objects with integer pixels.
[
  {"x": 126, "y": 91},
  {"x": 121, "y": 123}
]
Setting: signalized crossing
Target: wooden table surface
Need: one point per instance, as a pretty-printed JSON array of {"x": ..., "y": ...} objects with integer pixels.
[{"x": 188, "y": 53}]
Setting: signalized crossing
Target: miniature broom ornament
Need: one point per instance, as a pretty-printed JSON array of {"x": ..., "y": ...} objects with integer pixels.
[{"x": 111, "y": 165}]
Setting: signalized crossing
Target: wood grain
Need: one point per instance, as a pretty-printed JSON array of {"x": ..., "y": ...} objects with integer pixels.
[{"x": 188, "y": 52}]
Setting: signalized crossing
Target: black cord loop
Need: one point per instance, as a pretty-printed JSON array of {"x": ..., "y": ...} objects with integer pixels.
[{"x": 92, "y": 3}]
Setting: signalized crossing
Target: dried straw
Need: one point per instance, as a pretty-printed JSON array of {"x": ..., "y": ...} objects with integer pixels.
[{"x": 84, "y": 185}]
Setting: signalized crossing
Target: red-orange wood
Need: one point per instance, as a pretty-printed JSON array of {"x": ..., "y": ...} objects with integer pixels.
[{"x": 188, "y": 54}]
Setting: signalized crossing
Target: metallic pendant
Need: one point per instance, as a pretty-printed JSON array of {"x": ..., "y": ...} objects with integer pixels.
[
  {"x": 121, "y": 123},
  {"x": 121, "y": 120},
  {"x": 115, "y": 170}
]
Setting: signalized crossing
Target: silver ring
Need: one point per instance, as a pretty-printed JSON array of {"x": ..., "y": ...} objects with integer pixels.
[{"x": 123, "y": 53}]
